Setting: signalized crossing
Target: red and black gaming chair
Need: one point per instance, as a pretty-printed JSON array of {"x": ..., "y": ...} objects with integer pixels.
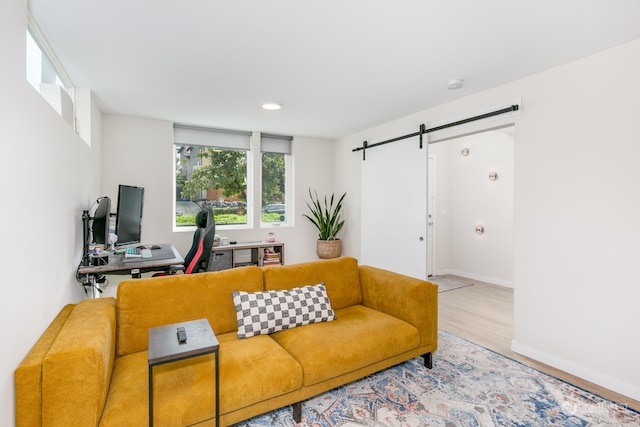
[{"x": 197, "y": 259}]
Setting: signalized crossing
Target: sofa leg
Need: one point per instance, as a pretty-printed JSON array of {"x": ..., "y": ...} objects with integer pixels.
[
  {"x": 428, "y": 360},
  {"x": 297, "y": 412}
]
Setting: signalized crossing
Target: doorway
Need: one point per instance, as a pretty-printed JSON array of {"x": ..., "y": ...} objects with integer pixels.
[{"x": 470, "y": 212}]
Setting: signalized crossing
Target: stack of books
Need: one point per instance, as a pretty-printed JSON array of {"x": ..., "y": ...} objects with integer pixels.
[{"x": 271, "y": 257}]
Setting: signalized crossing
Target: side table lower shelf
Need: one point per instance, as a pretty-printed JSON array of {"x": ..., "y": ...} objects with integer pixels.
[{"x": 165, "y": 348}]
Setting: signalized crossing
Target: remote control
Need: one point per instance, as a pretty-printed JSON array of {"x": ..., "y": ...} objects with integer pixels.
[{"x": 182, "y": 335}]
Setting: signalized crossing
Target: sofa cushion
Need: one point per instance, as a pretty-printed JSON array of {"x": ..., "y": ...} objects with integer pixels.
[
  {"x": 267, "y": 312},
  {"x": 184, "y": 390},
  {"x": 156, "y": 301},
  {"x": 359, "y": 337},
  {"x": 254, "y": 370},
  {"x": 341, "y": 277}
]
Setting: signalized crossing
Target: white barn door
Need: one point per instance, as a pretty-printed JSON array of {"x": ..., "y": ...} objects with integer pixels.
[{"x": 394, "y": 207}]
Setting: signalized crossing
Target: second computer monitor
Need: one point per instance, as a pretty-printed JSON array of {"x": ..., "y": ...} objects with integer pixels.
[{"x": 100, "y": 226}]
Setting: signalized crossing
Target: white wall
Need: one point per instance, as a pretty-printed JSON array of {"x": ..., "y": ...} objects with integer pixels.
[
  {"x": 576, "y": 210},
  {"x": 466, "y": 197},
  {"x": 49, "y": 176},
  {"x": 139, "y": 151}
]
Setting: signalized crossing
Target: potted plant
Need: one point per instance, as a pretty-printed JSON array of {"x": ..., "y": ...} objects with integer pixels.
[{"x": 326, "y": 217}]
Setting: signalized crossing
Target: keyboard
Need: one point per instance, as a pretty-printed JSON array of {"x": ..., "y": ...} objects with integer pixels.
[{"x": 131, "y": 252}]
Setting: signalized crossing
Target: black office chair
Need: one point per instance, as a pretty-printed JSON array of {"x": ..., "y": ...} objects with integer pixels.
[{"x": 197, "y": 259}]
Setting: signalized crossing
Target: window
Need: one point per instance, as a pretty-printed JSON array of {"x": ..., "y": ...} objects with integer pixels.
[
  {"x": 46, "y": 74},
  {"x": 276, "y": 179},
  {"x": 212, "y": 170}
]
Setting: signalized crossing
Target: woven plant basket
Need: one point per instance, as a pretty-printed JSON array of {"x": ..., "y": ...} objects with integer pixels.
[{"x": 329, "y": 248}]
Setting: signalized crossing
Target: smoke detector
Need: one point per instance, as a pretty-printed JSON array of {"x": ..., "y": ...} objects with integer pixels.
[{"x": 455, "y": 83}]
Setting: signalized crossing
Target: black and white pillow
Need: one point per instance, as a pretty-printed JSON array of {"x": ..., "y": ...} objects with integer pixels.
[{"x": 271, "y": 311}]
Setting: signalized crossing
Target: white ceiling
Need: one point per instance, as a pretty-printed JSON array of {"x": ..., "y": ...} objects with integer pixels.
[{"x": 337, "y": 66}]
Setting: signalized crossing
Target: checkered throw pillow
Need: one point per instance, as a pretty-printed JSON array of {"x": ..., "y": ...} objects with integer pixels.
[{"x": 273, "y": 311}]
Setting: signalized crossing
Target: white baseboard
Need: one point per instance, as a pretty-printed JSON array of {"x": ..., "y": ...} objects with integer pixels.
[
  {"x": 596, "y": 377},
  {"x": 486, "y": 279}
]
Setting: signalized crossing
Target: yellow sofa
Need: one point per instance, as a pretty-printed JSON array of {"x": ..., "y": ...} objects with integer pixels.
[{"x": 89, "y": 368}]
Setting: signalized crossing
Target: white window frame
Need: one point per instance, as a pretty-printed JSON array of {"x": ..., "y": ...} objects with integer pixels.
[
  {"x": 59, "y": 92},
  {"x": 216, "y": 138},
  {"x": 279, "y": 144}
]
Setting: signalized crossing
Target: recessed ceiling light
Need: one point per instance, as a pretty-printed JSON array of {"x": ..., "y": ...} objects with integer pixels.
[
  {"x": 455, "y": 83},
  {"x": 271, "y": 106}
]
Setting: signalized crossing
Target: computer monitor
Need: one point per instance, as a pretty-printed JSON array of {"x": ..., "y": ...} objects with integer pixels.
[
  {"x": 129, "y": 214},
  {"x": 100, "y": 226}
]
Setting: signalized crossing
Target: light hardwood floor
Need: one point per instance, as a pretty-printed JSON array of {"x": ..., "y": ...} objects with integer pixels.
[{"x": 483, "y": 314}]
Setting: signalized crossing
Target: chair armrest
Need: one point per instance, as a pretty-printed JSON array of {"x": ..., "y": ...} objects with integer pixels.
[
  {"x": 413, "y": 300},
  {"x": 176, "y": 268}
]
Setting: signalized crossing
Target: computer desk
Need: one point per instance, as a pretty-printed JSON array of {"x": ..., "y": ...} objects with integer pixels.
[{"x": 135, "y": 267}]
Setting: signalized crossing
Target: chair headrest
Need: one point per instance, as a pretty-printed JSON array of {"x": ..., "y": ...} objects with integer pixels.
[{"x": 201, "y": 219}]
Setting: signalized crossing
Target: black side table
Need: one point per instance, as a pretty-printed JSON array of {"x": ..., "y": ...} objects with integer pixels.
[{"x": 164, "y": 347}]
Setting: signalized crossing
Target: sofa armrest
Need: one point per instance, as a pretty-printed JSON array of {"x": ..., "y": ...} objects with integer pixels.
[
  {"x": 28, "y": 375},
  {"x": 76, "y": 372},
  {"x": 413, "y": 300}
]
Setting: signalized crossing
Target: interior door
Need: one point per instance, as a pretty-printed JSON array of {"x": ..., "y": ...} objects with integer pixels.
[{"x": 394, "y": 208}]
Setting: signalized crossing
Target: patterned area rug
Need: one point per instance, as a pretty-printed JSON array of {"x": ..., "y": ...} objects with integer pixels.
[
  {"x": 446, "y": 283},
  {"x": 468, "y": 386}
]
